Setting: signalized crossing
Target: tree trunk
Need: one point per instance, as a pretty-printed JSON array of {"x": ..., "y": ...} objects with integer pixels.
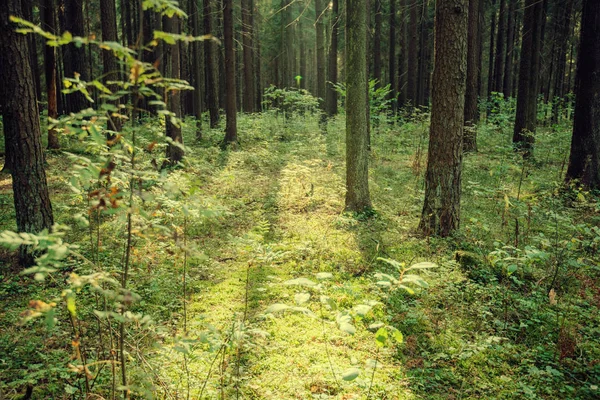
[
  {"x": 561, "y": 58},
  {"x": 404, "y": 55},
  {"x": 197, "y": 68},
  {"x": 48, "y": 18},
  {"x": 230, "y": 98},
  {"x": 490, "y": 83},
  {"x": 584, "y": 160},
  {"x": 108, "y": 18},
  {"x": 392, "y": 57},
  {"x": 526, "y": 117},
  {"x": 248, "y": 43},
  {"x": 499, "y": 58},
  {"x": 320, "y": 33},
  {"x": 441, "y": 209},
  {"x": 27, "y": 7},
  {"x": 510, "y": 47},
  {"x": 22, "y": 130},
  {"x": 210, "y": 66},
  {"x": 472, "y": 84},
  {"x": 172, "y": 60},
  {"x": 413, "y": 54},
  {"x": 377, "y": 44},
  {"x": 332, "y": 97},
  {"x": 74, "y": 57},
  {"x": 357, "y": 161}
]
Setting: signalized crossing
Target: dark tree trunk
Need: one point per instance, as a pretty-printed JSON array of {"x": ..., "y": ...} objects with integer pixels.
[
  {"x": 27, "y": 6},
  {"x": 108, "y": 18},
  {"x": 413, "y": 54},
  {"x": 441, "y": 209},
  {"x": 423, "y": 73},
  {"x": 248, "y": 42},
  {"x": 332, "y": 96},
  {"x": 172, "y": 60},
  {"x": 74, "y": 57},
  {"x": 257, "y": 62},
  {"x": 230, "y": 98},
  {"x": 490, "y": 85},
  {"x": 320, "y": 43},
  {"x": 392, "y": 57},
  {"x": 499, "y": 58},
  {"x": 357, "y": 159},
  {"x": 210, "y": 66},
  {"x": 197, "y": 68},
  {"x": 472, "y": 84},
  {"x": 526, "y": 117},
  {"x": 561, "y": 58},
  {"x": 584, "y": 160},
  {"x": 377, "y": 44},
  {"x": 510, "y": 47},
  {"x": 22, "y": 130},
  {"x": 404, "y": 55},
  {"x": 48, "y": 18}
]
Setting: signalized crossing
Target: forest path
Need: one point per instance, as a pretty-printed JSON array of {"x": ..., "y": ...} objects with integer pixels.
[{"x": 284, "y": 198}]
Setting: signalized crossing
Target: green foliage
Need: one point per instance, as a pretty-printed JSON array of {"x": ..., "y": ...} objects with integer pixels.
[{"x": 290, "y": 101}]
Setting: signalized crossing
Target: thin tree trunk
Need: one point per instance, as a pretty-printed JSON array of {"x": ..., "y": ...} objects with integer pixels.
[
  {"x": 197, "y": 67},
  {"x": 210, "y": 66},
  {"x": 472, "y": 83},
  {"x": 510, "y": 48},
  {"x": 413, "y": 54},
  {"x": 230, "y": 99},
  {"x": 248, "y": 43},
  {"x": 108, "y": 18},
  {"x": 404, "y": 55},
  {"x": 377, "y": 44},
  {"x": 332, "y": 97},
  {"x": 490, "y": 85},
  {"x": 499, "y": 57},
  {"x": 48, "y": 24},
  {"x": 75, "y": 59},
  {"x": 172, "y": 59},
  {"x": 320, "y": 34}
]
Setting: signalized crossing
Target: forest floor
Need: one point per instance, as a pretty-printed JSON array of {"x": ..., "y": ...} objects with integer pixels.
[{"x": 282, "y": 302}]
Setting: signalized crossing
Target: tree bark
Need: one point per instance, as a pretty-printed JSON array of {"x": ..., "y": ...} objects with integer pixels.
[
  {"x": 230, "y": 93},
  {"x": 392, "y": 57},
  {"x": 510, "y": 47},
  {"x": 413, "y": 54},
  {"x": 499, "y": 58},
  {"x": 357, "y": 161},
  {"x": 472, "y": 84},
  {"x": 74, "y": 57},
  {"x": 526, "y": 116},
  {"x": 404, "y": 55},
  {"x": 441, "y": 209},
  {"x": 490, "y": 83},
  {"x": 320, "y": 42},
  {"x": 377, "y": 44},
  {"x": 22, "y": 130},
  {"x": 584, "y": 159},
  {"x": 108, "y": 18},
  {"x": 210, "y": 66},
  {"x": 332, "y": 96},
  {"x": 174, "y": 152},
  {"x": 248, "y": 43},
  {"x": 48, "y": 18},
  {"x": 197, "y": 67}
]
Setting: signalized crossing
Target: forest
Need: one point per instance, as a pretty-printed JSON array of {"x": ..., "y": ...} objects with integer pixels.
[{"x": 298, "y": 199}]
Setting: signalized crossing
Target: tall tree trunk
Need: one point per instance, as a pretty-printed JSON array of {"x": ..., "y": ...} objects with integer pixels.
[
  {"x": 526, "y": 117},
  {"x": 172, "y": 60},
  {"x": 510, "y": 47},
  {"x": 197, "y": 67},
  {"x": 357, "y": 161},
  {"x": 27, "y": 6},
  {"x": 377, "y": 44},
  {"x": 490, "y": 85},
  {"x": 413, "y": 54},
  {"x": 320, "y": 34},
  {"x": 248, "y": 43},
  {"x": 210, "y": 66},
  {"x": 584, "y": 160},
  {"x": 257, "y": 61},
  {"x": 22, "y": 130},
  {"x": 423, "y": 64},
  {"x": 472, "y": 84},
  {"x": 392, "y": 57},
  {"x": 230, "y": 99},
  {"x": 332, "y": 97},
  {"x": 108, "y": 18},
  {"x": 404, "y": 55},
  {"x": 441, "y": 208},
  {"x": 561, "y": 59},
  {"x": 48, "y": 19},
  {"x": 499, "y": 58},
  {"x": 74, "y": 57}
]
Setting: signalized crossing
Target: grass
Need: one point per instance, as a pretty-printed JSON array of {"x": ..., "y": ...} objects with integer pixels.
[{"x": 271, "y": 212}]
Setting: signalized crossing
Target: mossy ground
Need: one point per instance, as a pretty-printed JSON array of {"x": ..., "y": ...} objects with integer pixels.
[{"x": 271, "y": 211}]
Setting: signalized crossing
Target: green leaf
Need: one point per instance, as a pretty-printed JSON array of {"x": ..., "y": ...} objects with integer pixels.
[
  {"x": 278, "y": 307},
  {"x": 422, "y": 265},
  {"x": 324, "y": 275},
  {"x": 398, "y": 336},
  {"x": 348, "y": 328},
  {"x": 381, "y": 336},
  {"x": 71, "y": 305},
  {"x": 362, "y": 309},
  {"x": 376, "y": 325},
  {"x": 350, "y": 374},
  {"x": 301, "y": 298}
]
